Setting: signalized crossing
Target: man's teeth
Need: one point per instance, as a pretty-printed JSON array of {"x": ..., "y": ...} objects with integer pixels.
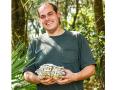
[{"x": 49, "y": 23}]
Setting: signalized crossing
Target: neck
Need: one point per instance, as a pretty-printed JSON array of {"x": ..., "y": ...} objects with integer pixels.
[{"x": 56, "y": 32}]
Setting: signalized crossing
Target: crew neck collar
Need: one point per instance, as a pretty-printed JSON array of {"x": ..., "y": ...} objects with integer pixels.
[{"x": 58, "y": 35}]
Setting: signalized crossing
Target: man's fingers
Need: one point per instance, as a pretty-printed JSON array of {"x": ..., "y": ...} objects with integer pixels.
[
  {"x": 47, "y": 81},
  {"x": 62, "y": 82}
]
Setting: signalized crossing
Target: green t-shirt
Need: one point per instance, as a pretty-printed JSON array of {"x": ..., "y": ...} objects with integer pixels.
[{"x": 70, "y": 50}]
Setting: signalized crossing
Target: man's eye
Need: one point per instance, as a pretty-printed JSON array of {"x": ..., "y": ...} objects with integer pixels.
[
  {"x": 51, "y": 13},
  {"x": 42, "y": 17}
]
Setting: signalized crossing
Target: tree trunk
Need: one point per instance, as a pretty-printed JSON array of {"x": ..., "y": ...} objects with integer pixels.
[
  {"x": 18, "y": 23},
  {"x": 66, "y": 11},
  {"x": 100, "y": 27},
  {"x": 99, "y": 18},
  {"x": 75, "y": 17}
]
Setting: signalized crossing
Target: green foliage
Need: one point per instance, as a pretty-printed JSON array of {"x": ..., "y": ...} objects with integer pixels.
[{"x": 19, "y": 61}]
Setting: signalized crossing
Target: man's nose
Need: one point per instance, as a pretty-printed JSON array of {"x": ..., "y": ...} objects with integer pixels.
[{"x": 47, "y": 17}]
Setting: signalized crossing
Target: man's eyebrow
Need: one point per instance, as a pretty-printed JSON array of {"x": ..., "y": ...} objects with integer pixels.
[
  {"x": 47, "y": 13},
  {"x": 50, "y": 11}
]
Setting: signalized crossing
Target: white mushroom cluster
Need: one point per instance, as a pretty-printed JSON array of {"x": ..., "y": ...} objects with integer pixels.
[{"x": 50, "y": 70}]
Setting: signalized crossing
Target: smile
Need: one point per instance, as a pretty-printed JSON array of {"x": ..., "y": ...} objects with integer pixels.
[{"x": 49, "y": 23}]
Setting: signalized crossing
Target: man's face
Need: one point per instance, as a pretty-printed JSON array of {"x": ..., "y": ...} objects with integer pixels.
[{"x": 48, "y": 17}]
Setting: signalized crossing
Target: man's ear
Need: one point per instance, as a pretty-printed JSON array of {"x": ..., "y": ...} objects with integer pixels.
[{"x": 59, "y": 14}]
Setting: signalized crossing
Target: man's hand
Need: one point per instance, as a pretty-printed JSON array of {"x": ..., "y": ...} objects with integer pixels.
[
  {"x": 47, "y": 81},
  {"x": 32, "y": 78},
  {"x": 68, "y": 78},
  {"x": 81, "y": 75}
]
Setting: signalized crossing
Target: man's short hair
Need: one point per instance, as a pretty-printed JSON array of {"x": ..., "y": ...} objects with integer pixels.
[{"x": 55, "y": 8}]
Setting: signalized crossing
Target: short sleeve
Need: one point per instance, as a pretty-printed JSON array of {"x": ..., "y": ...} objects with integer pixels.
[
  {"x": 85, "y": 54},
  {"x": 31, "y": 57}
]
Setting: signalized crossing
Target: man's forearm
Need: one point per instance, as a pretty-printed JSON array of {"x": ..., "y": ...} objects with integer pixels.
[
  {"x": 85, "y": 73},
  {"x": 31, "y": 77}
]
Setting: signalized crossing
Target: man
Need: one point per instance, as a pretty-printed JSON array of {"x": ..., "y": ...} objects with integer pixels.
[{"x": 62, "y": 48}]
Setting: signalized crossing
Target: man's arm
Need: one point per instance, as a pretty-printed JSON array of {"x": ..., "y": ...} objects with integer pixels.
[
  {"x": 85, "y": 73},
  {"x": 32, "y": 78},
  {"x": 82, "y": 75}
]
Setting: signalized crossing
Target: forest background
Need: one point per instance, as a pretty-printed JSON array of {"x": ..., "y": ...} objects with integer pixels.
[{"x": 84, "y": 16}]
